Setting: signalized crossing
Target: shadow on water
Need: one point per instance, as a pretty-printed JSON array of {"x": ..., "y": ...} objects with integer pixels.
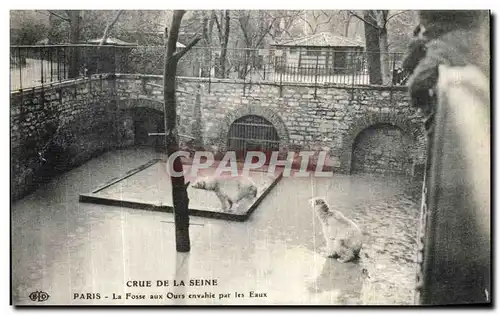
[
  {"x": 181, "y": 274},
  {"x": 344, "y": 278}
]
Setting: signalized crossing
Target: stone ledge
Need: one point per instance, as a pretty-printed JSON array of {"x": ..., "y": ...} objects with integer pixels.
[{"x": 57, "y": 85}]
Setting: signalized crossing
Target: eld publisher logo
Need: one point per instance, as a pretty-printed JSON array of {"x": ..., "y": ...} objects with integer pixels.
[{"x": 39, "y": 296}]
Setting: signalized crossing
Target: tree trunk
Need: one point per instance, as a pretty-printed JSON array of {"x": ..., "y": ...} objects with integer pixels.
[
  {"x": 179, "y": 187},
  {"x": 74, "y": 62},
  {"x": 385, "y": 59},
  {"x": 50, "y": 36},
  {"x": 179, "y": 190},
  {"x": 224, "y": 43},
  {"x": 109, "y": 27},
  {"x": 208, "y": 23},
  {"x": 372, "y": 48}
]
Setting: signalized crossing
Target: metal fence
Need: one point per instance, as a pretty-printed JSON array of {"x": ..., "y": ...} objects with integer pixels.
[
  {"x": 38, "y": 65},
  {"x": 455, "y": 231}
]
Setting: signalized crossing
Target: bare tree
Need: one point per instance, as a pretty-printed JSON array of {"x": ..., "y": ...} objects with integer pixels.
[
  {"x": 315, "y": 19},
  {"x": 109, "y": 27},
  {"x": 285, "y": 21},
  {"x": 254, "y": 26},
  {"x": 73, "y": 17},
  {"x": 179, "y": 187},
  {"x": 223, "y": 28},
  {"x": 208, "y": 25},
  {"x": 377, "y": 43}
]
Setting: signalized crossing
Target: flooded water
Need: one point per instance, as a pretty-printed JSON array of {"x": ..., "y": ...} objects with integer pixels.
[{"x": 67, "y": 248}]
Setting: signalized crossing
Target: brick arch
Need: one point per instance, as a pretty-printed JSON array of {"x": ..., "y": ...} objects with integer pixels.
[
  {"x": 257, "y": 110},
  {"x": 414, "y": 130}
]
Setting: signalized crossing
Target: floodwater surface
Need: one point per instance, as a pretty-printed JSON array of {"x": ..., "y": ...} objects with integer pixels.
[{"x": 81, "y": 253}]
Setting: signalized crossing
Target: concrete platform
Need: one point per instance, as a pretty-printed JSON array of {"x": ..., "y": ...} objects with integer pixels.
[
  {"x": 66, "y": 248},
  {"x": 148, "y": 187}
]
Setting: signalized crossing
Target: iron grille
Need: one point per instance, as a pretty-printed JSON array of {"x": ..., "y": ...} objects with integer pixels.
[{"x": 250, "y": 134}]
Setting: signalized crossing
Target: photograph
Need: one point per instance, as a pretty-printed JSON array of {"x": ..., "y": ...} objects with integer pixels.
[{"x": 258, "y": 157}]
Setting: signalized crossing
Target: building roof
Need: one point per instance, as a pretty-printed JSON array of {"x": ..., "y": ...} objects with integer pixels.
[
  {"x": 323, "y": 40},
  {"x": 110, "y": 41}
]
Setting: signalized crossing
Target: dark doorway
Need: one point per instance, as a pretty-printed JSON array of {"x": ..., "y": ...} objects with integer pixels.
[
  {"x": 382, "y": 148},
  {"x": 146, "y": 121}
]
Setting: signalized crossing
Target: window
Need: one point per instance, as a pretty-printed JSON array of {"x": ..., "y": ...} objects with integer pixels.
[
  {"x": 313, "y": 52},
  {"x": 294, "y": 50}
]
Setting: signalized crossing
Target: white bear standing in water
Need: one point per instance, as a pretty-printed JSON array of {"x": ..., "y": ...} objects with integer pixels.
[
  {"x": 245, "y": 189},
  {"x": 343, "y": 237}
]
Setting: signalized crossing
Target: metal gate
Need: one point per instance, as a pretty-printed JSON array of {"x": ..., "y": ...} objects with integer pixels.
[{"x": 252, "y": 133}]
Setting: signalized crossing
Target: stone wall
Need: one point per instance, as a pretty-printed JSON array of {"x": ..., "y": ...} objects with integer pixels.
[
  {"x": 307, "y": 118},
  {"x": 57, "y": 127},
  {"x": 65, "y": 124}
]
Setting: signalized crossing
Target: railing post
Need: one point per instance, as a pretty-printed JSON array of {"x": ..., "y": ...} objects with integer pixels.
[
  {"x": 65, "y": 57},
  {"x": 316, "y": 76},
  {"x": 114, "y": 57},
  {"x": 264, "y": 66},
  {"x": 210, "y": 70},
  {"x": 393, "y": 67},
  {"x": 41, "y": 63},
  {"x": 20, "y": 69},
  {"x": 353, "y": 69},
  {"x": 51, "y": 67},
  {"x": 57, "y": 66},
  {"x": 281, "y": 76}
]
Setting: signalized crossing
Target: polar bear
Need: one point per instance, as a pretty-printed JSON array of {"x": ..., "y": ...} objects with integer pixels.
[
  {"x": 245, "y": 189},
  {"x": 343, "y": 237}
]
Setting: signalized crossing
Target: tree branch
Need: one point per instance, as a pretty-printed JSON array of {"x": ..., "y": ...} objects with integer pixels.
[
  {"x": 265, "y": 33},
  {"x": 109, "y": 27},
  {"x": 173, "y": 33},
  {"x": 322, "y": 23},
  {"x": 243, "y": 29},
  {"x": 67, "y": 19},
  {"x": 219, "y": 28},
  {"x": 307, "y": 22},
  {"x": 362, "y": 19},
  {"x": 208, "y": 25},
  {"x": 396, "y": 14},
  {"x": 181, "y": 53},
  {"x": 385, "y": 13},
  {"x": 314, "y": 16}
]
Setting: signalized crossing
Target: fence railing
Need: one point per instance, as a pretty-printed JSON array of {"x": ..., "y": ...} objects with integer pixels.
[
  {"x": 32, "y": 66},
  {"x": 457, "y": 203}
]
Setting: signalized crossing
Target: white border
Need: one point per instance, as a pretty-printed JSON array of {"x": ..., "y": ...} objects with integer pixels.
[{"x": 187, "y": 4}]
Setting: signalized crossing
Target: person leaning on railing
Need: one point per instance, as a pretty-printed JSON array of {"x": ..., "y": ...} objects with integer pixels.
[
  {"x": 449, "y": 62},
  {"x": 454, "y": 38}
]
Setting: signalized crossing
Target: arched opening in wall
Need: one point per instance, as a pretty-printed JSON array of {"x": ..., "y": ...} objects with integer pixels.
[
  {"x": 252, "y": 133},
  {"x": 383, "y": 149},
  {"x": 148, "y": 120}
]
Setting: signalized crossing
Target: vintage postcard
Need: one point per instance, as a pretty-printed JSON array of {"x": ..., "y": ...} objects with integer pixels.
[{"x": 250, "y": 157}]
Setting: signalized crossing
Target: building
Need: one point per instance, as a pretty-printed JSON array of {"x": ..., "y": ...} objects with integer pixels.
[{"x": 325, "y": 53}]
